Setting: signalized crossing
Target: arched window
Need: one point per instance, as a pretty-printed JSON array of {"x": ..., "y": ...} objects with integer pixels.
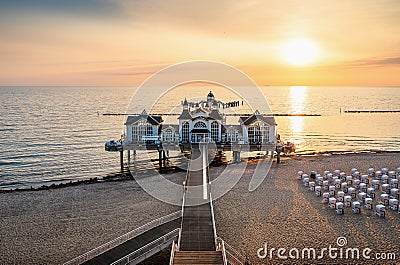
[
  {"x": 200, "y": 124},
  {"x": 168, "y": 135},
  {"x": 232, "y": 135},
  {"x": 258, "y": 132},
  {"x": 214, "y": 131},
  {"x": 185, "y": 132},
  {"x": 142, "y": 128}
]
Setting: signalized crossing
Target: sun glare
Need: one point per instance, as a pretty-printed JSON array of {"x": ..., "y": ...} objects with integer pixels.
[{"x": 299, "y": 52}]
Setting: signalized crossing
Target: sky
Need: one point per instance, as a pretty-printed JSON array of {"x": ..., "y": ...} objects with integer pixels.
[{"x": 123, "y": 42}]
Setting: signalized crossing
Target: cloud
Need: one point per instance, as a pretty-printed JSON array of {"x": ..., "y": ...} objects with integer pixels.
[{"x": 373, "y": 62}]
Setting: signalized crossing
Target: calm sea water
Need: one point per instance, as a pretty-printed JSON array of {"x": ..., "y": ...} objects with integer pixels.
[{"x": 51, "y": 134}]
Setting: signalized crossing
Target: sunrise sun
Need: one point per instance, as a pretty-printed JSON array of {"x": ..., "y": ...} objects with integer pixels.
[{"x": 299, "y": 52}]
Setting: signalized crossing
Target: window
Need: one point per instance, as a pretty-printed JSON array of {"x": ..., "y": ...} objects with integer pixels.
[
  {"x": 200, "y": 124},
  {"x": 258, "y": 132},
  {"x": 232, "y": 135},
  {"x": 214, "y": 131},
  {"x": 185, "y": 132},
  {"x": 142, "y": 128},
  {"x": 168, "y": 135}
]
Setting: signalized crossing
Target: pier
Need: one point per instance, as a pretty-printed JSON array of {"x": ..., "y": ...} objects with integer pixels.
[{"x": 191, "y": 233}]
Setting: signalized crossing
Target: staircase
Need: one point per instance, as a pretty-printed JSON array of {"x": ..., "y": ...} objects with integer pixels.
[{"x": 198, "y": 258}]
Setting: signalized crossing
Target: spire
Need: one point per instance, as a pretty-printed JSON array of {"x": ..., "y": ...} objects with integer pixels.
[{"x": 210, "y": 96}]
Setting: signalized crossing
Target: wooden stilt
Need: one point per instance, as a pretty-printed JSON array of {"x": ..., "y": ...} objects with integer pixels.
[{"x": 121, "y": 159}]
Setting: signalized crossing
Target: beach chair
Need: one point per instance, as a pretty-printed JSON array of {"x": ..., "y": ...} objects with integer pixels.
[
  {"x": 394, "y": 193},
  {"x": 394, "y": 183},
  {"x": 356, "y": 184},
  {"x": 380, "y": 210},
  {"x": 356, "y": 207},
  {"x": 375, "y": 184},
  {"x": 386, "y": 188},
  {"x": 340, "y": 196},
  {"x": 352, "y": 192},
  {"x": 398, "y": 172},
  {"x": 365, "y": 179},
  {"x": 332, "y": 190},
  {"x": 368, "y": 203},
  {"x": 344, "y": 187},
  {"x": 326, "y": 172},
  {"x": 371, "y": 193},
  {"x": 325, "y": 185},
  {"x": 313, "y": 175},
  {"x": 385, "y": 170},
  {"x": 385, "y": 179},
  {"x": 371, "y": 172},
  {"x": 304, "y": 176},
  {"x": 347, "y": 200},
  {"x": 318, "y": 191},
  {"x": 330, "y": 177},
  {"x": 336, "y": 173},
  {"x": 332, "y": 203},
  {"x": 349, "y": 180},
  {"x": 337, "y": 184},
  {"x": 306, "y": 182},
  {"x": 311, "y": 186},
  {"x": 299, "y": 175},
  {"x": 394, "y": 204},
  {"x": 378, "y": 175},
  {"x": 353, "y": 170},
  {"x": 356, "y": 175},
  {"x": 392, "y": 174},
  {"x": 325, "y": 197},
  {"x": 342, "y": 176},
  {"x": 363, "y": 187},
  {"x": 320, "y": 181},
  {"x": 361, "y": 197},
  {"x": 339, "y": 208},
  {"x": 385, "y": 199}
]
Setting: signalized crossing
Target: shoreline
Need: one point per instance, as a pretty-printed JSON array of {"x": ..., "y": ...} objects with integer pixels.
[{"x": 126, "y": 175}]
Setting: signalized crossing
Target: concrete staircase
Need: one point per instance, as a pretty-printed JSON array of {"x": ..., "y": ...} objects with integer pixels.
[{"x": 198, "y": 258}]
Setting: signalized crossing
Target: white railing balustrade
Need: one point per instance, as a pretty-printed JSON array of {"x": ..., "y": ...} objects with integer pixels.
[
  {"x": 122, "y": 239},
  {"x": 170, "y": 237}
]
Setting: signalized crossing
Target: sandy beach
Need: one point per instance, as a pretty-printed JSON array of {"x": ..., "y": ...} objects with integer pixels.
[
  {"x": 54, "y": 226},
  {"x": 282, "y": 213}
]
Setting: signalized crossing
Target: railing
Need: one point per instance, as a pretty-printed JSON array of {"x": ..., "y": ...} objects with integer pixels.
[
  {"x": 213, "y": 221},
  {"x": 145, "y": 250},
  {"x": 232, "y": 256},
  {"x": 174, "y": 248},
  {"x": 122, "y": 239},
  {"x": 224, "y": 253}
]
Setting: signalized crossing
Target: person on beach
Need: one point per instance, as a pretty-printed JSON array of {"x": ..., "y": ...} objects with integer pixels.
[{"x": 279, "y": 148}]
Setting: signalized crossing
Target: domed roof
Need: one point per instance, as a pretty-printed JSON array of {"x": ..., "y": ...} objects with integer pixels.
[{"x": 210, "y": 95}]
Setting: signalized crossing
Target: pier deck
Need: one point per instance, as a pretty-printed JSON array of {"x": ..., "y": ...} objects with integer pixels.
[
  {"x": 197, "y": 245},
  {"x": 197, "y": 226}
]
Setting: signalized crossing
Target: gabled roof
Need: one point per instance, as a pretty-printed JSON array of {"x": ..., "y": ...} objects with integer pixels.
[
  {"x": 247, "y": 120},
  {"x": 215, "y": 114},
  {"x": 185, "y": 115},
  {"x": 153, "y": 120}
]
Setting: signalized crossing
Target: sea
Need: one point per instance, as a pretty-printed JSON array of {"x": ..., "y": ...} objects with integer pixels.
[{"x": 50, "y": 135}]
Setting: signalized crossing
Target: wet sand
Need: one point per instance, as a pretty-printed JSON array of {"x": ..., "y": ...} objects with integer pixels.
[{"x": 54, "y": 226}]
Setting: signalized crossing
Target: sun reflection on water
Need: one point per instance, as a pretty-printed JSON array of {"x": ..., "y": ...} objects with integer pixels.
[{"x": 298, "y": 97}]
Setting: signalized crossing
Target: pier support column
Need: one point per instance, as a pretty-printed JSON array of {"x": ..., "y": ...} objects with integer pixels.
[
  {"x": 160, "y": 159},
  {"x": 129, "y": 158},
  {"x": 238, "y": 157},
  {"x": 121, "y": 159}
]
